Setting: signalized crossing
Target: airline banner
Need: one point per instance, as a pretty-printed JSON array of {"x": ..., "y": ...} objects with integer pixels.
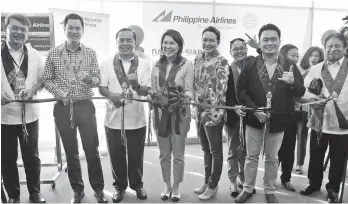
[
  {"x": 96, "y": 32},
  {"x": 232, "y": 21},
  {"x": 40, "y": 35}
]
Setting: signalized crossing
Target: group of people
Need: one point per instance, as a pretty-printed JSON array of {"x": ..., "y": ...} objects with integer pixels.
[{"x": 266, "y": 92}]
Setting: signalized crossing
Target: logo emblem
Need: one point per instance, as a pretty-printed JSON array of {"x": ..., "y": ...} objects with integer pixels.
[{"x": 163, "y": 17}]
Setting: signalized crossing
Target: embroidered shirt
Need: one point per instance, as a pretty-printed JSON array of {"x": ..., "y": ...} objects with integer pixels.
[{"x": 210, "y": 86}]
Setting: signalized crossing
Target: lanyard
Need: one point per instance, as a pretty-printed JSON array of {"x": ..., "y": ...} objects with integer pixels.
[{"x": 18, "y": 68}]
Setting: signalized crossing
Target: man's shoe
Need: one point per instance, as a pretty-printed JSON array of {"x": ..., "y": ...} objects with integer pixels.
[
  {"x": 243, "y": 197},
  {"x": 208, "y": 193},
  {"x": 289, "y": 186},
  {"x": 117, "y": 196},
  {"x": 240, "y": 185},
  {"x": 14, "y": 200},
  {"x": 271, "y": 198},
  {"x": 332, "y": 197},
  {"x": 233, "y": 190},
  {"x": 99, "y": 195},
  {"x": 77, "y": 197},
  {"x": 37, "y": 198},
  {"x": 309, "y": 189},
  {"x": 141, "y": 193},
  {"x": 201, "y": 189}
]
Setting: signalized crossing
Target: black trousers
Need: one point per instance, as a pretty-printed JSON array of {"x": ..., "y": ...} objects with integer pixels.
[
  {"x": 131, "y": 148},
  {"x": 210, "y": 138},
  {"x": 85, "y": 121},
  {"x": 30, "y": 156},
  {"x": 338, "y": 147},
  {"x": 286, "y": 152}
]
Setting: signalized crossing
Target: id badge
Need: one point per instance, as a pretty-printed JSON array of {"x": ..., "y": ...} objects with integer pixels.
[{"x": 19, "y": 83}]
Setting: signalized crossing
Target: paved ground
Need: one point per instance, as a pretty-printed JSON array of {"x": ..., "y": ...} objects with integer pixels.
[{"x": 194, "y": 174}]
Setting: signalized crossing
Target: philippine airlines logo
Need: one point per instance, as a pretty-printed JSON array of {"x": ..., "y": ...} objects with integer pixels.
[{"x": 163, "y": 17}]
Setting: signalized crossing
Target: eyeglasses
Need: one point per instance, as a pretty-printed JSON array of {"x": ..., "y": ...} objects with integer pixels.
[{"x": 14, "y": 28}]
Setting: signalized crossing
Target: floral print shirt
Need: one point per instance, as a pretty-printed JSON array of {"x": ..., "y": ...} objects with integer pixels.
[{"x": 210, "y": 86}]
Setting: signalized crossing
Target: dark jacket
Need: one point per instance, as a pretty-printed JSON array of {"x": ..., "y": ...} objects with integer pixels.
[
  {"x": 231, "y": 94},
  {"x": 251, "y": 94}
]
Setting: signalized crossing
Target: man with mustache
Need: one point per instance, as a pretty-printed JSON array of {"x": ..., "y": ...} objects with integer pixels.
[
  {"x": 271, "y": 76},
  {"x": 71, "y": 69},
  {"x": 125, "y": 74},
  {"x": 21, "y": 73},
  {"x": 329, "y": 120}
]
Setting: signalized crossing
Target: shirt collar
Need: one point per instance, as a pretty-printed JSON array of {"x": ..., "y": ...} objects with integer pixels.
[
  {"x": 77, "y": 49},
  {"x": 11, "y": 49},
  {"x": 275, "y": 59},
  {"x": 339, "y": 62},
  {"x": 119, "y": 57}
]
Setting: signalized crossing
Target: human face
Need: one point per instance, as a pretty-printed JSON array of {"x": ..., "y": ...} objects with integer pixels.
[
  {"x": 239, "y": 50},
  {"x": 314, "y": 58},
  {"x": 125, "y": 42},
  {"x": 334, "y": 49},
  {"x": 209, "y": 42},
  {"x": 73, "y": 30},
  {"x": 269, "y": 42},
  {"x": 16, "y": 32},
  {"x": 293, "y": 55},
  {"x": 169, "y": 47}
]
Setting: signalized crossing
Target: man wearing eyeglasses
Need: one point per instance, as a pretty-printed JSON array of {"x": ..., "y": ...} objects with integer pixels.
[
  {"x": 21, "y": 72},
  {"x": 72, "y": 70}
]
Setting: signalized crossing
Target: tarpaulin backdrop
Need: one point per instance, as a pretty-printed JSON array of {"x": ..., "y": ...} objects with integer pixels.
[{"x": 232, "y": 20}]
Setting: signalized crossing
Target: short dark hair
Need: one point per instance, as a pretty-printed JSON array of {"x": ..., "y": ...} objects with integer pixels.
[
  {"x": 237, "y": 39},
  {"x": 19, "y": 17},
  {"x": 129, "y": 30},
  {"x": 339, "y": 36},
  {"x": 285, "y": 49},
  {"x": 213, "y": 30},
  {"x": 74, "y": 16},
  {"x": 269, "y": 26},
  {"x": 178, "y": 39},
  {"x": 305, "y": 59}
]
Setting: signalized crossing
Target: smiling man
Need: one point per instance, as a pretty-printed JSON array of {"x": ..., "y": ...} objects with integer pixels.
[
  {"x": 71, "y": 69},
  {"x": 267, "y": 74},
  {"x": 125, "y": 72},
  {"x": 21, "y": 73}
]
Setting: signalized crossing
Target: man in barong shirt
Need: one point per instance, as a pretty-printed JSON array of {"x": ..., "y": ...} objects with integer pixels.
[{"x": 329, "y": 120}]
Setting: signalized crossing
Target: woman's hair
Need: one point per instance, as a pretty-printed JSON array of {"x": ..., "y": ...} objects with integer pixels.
[
  {"x": 285, "y": 49},
  {"x": 213, "y": 30},
  {"x": 305, "y": 59},
  {"x": 178, "y": 39}
]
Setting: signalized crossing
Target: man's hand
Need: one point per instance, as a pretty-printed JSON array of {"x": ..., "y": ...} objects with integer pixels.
[
  {"x": 252, "y": 42},
  {"x": 288, "y": 77},
  {"x": 262, "y": 116},
  {"x": 240, "y": 112},
  {"x": 65, "y": 101},
  {"x": 133, "y": 81},
  {"x": 318, "y": 105},
  {"x": 116, "y": 99},
  {"x": 27, "y": 94},
  {"x": 5, "y": 98},
  {"x": 85, "y": 77}
]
